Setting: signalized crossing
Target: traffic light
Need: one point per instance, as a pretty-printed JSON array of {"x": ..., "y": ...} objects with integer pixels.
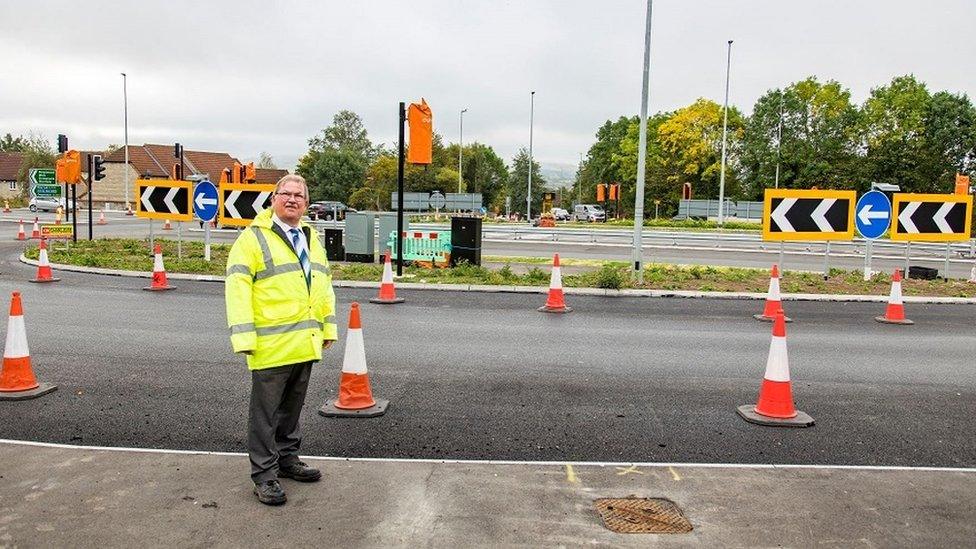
[
  {"x": 601, "y": 192},
  {"x": 178, "y": 151},
  {"x": 98, "y": 168},
  {"x": 614, "y": 191},
  {"x": 177, "y": 172},
  {"x": 250, "y": 174},
  {"x": 62, "y": 143}
]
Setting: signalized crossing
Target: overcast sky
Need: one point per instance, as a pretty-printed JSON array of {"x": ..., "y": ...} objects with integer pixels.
[{"x": 251, "y": 76}]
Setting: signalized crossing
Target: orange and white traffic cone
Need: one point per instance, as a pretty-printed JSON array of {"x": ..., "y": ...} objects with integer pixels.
[
  {"x": 773, "y": 300},
  {"x": 21, "y": 235},
  {"x": 159, "y": 272},
  {"x": 555, "y": 303},
  {"x": 775, "y": 405},
  {"x": 387, "y": 293},
  {"x": 17, "y": 381},
  {"x": 43, "y": 267},
  {"x": 895, "y": 313},
  {"x": 355, "y": 395},
  {"x": 101, "y": 218},
  {"x": 6, "y": 206},
  {"x": 36, "y": 232},
  {"x": 167, "y": 226},
  {"x": 128, "y": 209}
]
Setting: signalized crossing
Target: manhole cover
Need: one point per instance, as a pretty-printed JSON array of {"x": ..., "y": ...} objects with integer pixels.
[{"x": 642, "y": 516}]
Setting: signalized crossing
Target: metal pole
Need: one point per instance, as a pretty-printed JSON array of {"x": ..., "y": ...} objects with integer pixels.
[
  {"x": 90, "y": 224},
  {"x": 827, "y": 261},
  {"x": 782, "y": 252},
  {"x": 638, "y": 255},
  {"x": 152, "y": 241},
  {"x": 579, "y": 183},
  {"x": 528, "y": 197},
  {"x": 206, "y": 240},
  {"x": 867, "y": 260},
  {"x": 125, "y": 117},
  {"x": 179, "y": 240},
  {"x": 725, "y": 133},
  {"x": 460, "y": 144},
  {"x": 779, "y": 143},
  {"x": 401, "y": 116},
  {"x": 74, "y": 202},
  {"x": 948, "y": 246},
  {"x": 908, "y": 249}
]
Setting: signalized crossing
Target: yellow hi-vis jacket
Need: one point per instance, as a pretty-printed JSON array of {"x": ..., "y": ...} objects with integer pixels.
[{"x": 271, "y": 311}]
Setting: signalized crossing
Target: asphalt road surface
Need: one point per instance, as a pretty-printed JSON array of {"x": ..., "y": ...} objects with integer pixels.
[{"x": 485, "y": 376}]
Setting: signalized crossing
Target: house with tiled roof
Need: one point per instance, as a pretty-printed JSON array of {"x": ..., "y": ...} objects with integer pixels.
[
  {"x": 152, "y": 161},
  {"x": 9, "y": 166}
]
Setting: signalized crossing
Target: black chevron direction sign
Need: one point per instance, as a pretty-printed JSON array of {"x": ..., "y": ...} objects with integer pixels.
[
  {"x": 790, "y": 214},
  {"x": 931, "y": 217},
  {"x": 240, "y": 203},
  {"x": 163, "y": 199}
]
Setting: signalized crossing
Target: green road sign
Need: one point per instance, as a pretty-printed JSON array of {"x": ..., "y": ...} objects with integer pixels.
[
  {"x": 42, "y": 176},
  {"x": 47, "y": 191}
]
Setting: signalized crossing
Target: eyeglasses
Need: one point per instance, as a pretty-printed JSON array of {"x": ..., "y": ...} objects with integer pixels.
[{"x": 297, "y": 197}]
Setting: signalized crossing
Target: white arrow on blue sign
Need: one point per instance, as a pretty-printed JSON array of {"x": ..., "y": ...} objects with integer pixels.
[
  {"x": 205, "y": 201},
  {"x": 873, "y": 214}
]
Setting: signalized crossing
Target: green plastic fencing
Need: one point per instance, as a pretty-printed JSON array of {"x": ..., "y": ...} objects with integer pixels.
[{"x": 423, "y": 246}]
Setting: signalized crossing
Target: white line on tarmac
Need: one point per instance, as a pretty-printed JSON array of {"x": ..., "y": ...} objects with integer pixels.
[{"x": 631, "y": 464}]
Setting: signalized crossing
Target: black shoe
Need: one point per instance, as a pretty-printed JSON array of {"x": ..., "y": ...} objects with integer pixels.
[
  {"x": 270, "y": 492},
  {"x": 300, "y": 472}
]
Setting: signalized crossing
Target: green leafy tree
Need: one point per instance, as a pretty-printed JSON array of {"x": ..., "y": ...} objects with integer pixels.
[
  {"x": 9, "y": 143},
  {"x": 518, "y": 178},
  {"x": 265, "y": 160},
  {"x": 332, "y": 174},
  {"x": 950, "y": 141},
  {"x": 484, "y": 171},
  {"x": 657, "y": 184},
  {"x": 38, "y": 153},
  {"x": 601, "y": 164},
  {"x": 894, "y": 133},
  {"x": 818, "y": 144},
  {"x": 346, "y": 132}
]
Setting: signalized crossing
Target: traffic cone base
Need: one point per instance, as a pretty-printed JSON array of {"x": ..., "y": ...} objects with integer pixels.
[
  {"x": 886, "y": 320},
  {"x": 748, "y": 413},
  {"x": 386, "y": 301},
  {"x": 765, "y": 318},
  {"x": 329, "y": 409}
]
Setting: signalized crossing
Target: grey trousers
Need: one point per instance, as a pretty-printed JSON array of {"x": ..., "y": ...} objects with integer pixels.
[{"x": 273, "y": 434}]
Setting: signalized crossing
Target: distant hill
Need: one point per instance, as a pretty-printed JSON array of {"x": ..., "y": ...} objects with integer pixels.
[{"x": 557, "y": 174}]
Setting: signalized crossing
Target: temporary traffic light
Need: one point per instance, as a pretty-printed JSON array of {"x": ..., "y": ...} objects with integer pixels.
[
  {"x": 178, "y": 151},
  {"x": 601, "y": 192},
  {"x": 614, "y": 191},
  {"x": 250, "y": 174},
  {"x": 67, "y": 169},
  {"x": 177, "y": 172},
  {"x": 62, "y": 143},
  {"x": 98, "y": 168},
  {"x": 421, "y": 121}
]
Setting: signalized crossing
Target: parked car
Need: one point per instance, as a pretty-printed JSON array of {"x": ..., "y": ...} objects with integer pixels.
[
  {"x": 324, "y": 209},
  {"x": 588, "y": 212},
  {"x": 45, "y": 204},
  {"x": 560, "y": 214}
]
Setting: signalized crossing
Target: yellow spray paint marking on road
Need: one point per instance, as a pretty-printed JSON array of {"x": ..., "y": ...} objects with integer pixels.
[
  {"x": 628, "y": 470},
  {"x": 674, "y": 474},
  {"x": 571, "y": 475}
]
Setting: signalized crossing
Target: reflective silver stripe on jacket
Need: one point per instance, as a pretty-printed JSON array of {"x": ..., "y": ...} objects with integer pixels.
[
  {"x": 285, "y": 328},
  {"x": 277, "y": 270},
  {"x": 270, "y": 269},
  {"x": 330, "y": 319},
  {"x": 239, "y": 269},
  {"x": 242, "y": 328},
  {"x": 321, "y": 268}
]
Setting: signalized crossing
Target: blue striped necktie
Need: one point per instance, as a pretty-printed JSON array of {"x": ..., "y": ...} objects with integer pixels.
[{"x": 302, "y": 255}]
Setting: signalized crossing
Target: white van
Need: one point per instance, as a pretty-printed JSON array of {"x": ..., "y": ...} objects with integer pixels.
[{"x": 588, "y": 212}]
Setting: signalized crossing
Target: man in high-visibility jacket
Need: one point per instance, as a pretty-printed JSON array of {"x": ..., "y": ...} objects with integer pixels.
[{"x": 281, "y": 313}]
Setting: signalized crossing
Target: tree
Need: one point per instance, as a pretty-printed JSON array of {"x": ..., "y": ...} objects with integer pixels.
[
  {"x": 600, "y": 165},
  {"x": 518, "y": 179},
  {"x": 38, "y": 153},
  {"x": 894, "y": 133},
  {"x": 346, "y": 132},
  {"x": 265, "y": 160},
  {"x": 9, "y": 143},
  {"x": 691, "y": 148},
  {"x": 950, "y": 141},
  {"x": 332, "y": 174},
  {"x": 484, "y": 171},
  {"x": 657, "y": 185},
  {"x": 819, "y": 142}
]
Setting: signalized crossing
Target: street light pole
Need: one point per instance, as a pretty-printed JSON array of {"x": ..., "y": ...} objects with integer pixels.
[
  {"x": 779, "y": 140},
  {"x": 528, "y": 197},
  {"x": 460, "y": 144},
  {"x": 642, "y": 152},
  {"x": 125, "y": 122},
  {"x": 725, "y": 134}
]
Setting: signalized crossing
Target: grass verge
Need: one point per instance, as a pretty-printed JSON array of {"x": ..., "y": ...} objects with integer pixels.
[{"x": 134, "y": 255}]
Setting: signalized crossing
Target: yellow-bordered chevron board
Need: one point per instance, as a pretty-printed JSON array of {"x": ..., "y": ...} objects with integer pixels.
[
  {"x": 163, "y": 199},
  {"x": 791, "y": 214},
  {"x": 931, "y": 217},
  {"x": 240, "y": 203}
]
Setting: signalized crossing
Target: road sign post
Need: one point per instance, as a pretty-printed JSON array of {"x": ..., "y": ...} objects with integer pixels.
[{"x": 205, "y": 200}]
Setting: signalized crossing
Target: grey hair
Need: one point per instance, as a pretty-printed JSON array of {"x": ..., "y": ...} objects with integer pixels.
[{"x": 292, "y": 177}]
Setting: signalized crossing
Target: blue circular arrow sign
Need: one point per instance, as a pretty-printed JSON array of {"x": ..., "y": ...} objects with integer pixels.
[
  {"x": 872, "y": 215},
  {"x": 205, "y": 201}
]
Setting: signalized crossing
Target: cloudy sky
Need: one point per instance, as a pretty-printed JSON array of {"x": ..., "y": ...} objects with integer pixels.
[{"x": 249, "y": 76}]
